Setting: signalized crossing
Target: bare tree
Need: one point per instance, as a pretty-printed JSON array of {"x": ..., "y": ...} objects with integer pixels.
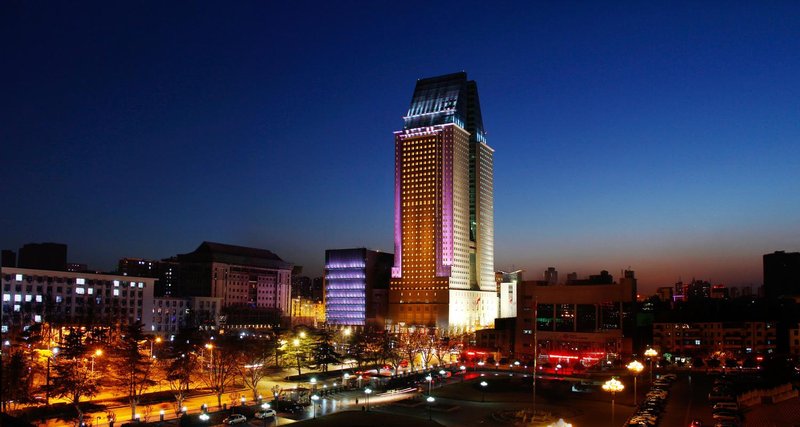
[
  {"x": 220, "y": 366},
  {"x": 135, "y": 364},
  {"x": 256, "y": 353}
]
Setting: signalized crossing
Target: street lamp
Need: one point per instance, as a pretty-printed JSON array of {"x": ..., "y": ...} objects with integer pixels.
[
  {"x": 430, "y": 400},
  {"x": 463, "y": 372},
  {"x": 651, "y": 353},
  {"x": 560, "y": 423},
  {"x": 243, "y": 400},
  {"x": 314, "y": 400},
  {"x": 613, "y": 386},
  {"x": 97, "y": 353},
  {"x": 635, "y": 367},
  {"x": 52, "y": 354},
  {"x": 430, "y": 382},
  {"x": 442, "y": 373},
  {"x": 483, "y": 388},
  {"x": 367, "y": 391},
  {"x": 210, "y": 348},
  {"x": 313, "y": 382}
]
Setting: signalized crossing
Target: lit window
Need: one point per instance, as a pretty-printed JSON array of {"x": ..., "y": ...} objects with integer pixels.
[
  {"x": 133, "y": 284},
  {"x": 80, "y": 291},
  {"x": 28, "y": 298},
  {"x": 18, "y": 277},
  {"x": 141, "y": 285},
  {"x": 38, "y": 298},
  {"x": 37, "y": 318},
  {"x": 58, "y": 298},
  {"x": 116, "y": 283},
  {"x": 116, "y": 292},
  {"x": 80, "y": 281},
  {"x": 17, "y": 298},
  {"x": 90, "y": 291},
  {"x": 16, "y": 307},
  {"x": 6, "y": 297}
]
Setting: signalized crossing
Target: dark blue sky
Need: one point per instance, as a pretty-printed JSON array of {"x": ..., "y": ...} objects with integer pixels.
[{"x": 664, "y": 137}]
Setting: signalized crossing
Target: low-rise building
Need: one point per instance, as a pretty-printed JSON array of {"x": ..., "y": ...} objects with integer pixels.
[
  {"x": 709, "y": 339},
  {"x": 74, "y": 298}
]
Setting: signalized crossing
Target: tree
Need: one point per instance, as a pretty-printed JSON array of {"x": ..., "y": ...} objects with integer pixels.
[
  {"x": 179, "y": 361},
  {"x": 16, "y": 375},
  {"x": 299, "y": 349},
  {"x": 255, "y": 355},
  {"x": 134, "y": 365},
  {"x": 73, "y": 379},
  {"x": 221, "y": 362},
  {"x": 323, "y": 352},
  {"x": 390, "y": 350}
]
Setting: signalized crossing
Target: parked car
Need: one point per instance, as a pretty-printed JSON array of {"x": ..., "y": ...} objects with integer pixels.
[
  {"x": 235, "y": 419},
  {"x": 266, "y": 413}
]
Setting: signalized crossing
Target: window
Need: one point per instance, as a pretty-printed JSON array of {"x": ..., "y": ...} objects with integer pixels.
[
  {"x": 18, "y": 277},
  {"x": 80, "y": 291},
  {"x": 80, "y": 281}
]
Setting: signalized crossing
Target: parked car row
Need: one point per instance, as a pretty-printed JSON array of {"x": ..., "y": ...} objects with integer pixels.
[
  {"x": 725, "y": 408},
  {"x": 648, "y": 412}
]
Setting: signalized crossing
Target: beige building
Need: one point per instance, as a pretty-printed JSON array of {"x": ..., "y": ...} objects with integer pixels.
[{"x": 706, "y": 339}]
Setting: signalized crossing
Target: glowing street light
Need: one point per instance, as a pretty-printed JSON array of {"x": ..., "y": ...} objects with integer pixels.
[
  {"x": 430, "y": 400},
  {"x": 635, "y": 367},
  {"x": 430, "y": 382},
  {"x": 367, "y": 391},
  {"x": 560, "y": 423},
  {"x": 483, "y": 388},
  {"x": 97, "y": 353},
  {"x": 613, "y": 386},
  {"x": 314, "y": 400},
  {"x": 651, "y": 353},
  {"x": 463, "y": 372}
]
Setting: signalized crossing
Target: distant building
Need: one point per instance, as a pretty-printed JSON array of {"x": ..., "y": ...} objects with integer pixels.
[
  {"x": 551, "y": 276},
  {"x": 77, "y": 267},
  {"x": 706, "y": 339},
  {"x": 165, "y": 271},
  {"x": 8, "y": 258},
  {"x": 719, "y": 292},
  {"x": 583, "y": 321},
  {"x": 247, "y": 279},
  {"x": 170, "y": 315},
  {"x": 508, "y": 293},
  {"x": 357, "y": 286},
  {"x": 43, "y": 256},
  {"x": 497, "y": 341},
  {"x": 307, "y": 312},
  {"x": 70, "y": 298},
  {"x": 665, "y": 293},
  {"x": 781, "y": 274}
]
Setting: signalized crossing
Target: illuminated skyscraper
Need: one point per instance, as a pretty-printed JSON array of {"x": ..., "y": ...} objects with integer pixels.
[{"x": 443, "y": 272}]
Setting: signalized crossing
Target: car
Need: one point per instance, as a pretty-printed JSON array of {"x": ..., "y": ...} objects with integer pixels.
[
  {"x": 265, "y": 413},
  {"x": 235, "y": 419},
  {"x": 725, "y": 415},
  {"x": 733, "y": 406}
]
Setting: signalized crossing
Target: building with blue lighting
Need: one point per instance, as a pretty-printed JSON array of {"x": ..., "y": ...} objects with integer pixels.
[{"x": 356, "y": 286}]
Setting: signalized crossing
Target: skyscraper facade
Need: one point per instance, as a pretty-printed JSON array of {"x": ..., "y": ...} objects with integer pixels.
[{"x": 443, "y": 272}]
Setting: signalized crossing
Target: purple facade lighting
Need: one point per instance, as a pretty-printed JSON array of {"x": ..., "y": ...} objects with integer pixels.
[
  {"x": 397, "y": 270},
  {"x": 345, "y": 287}
]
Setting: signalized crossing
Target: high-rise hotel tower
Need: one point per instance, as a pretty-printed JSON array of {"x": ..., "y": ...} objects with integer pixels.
[{"x": 443, "y": 272}]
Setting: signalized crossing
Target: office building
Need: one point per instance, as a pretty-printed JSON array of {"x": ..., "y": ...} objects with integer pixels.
[
  {"x": 443, "y": 272},
  {"x": 43, "y": 256},
  {"x": 508, "y": 292},
  {"x": 165, "y": 271},
  {"x": 587, "y": 321},
  {"x": 715, "y": 339},
  {"x": 245, "y": 279},
  {"x": 356, "y": 284},
  {"x": 74, "y": 298}
]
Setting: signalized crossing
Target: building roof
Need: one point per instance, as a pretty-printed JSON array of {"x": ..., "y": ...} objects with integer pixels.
[
  {"x": 232, "y": 254},
  {"x": 450, "y": 98}
]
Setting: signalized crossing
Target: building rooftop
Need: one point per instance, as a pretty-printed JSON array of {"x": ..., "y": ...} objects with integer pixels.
[{"x": 232, "y": 254}]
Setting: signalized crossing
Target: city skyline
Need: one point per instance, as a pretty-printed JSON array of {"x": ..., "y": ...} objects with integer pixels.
[{"x": 655, "y": 138}]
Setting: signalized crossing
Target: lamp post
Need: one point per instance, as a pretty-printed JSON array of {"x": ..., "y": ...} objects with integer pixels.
[
  {"x": 313, "y": 382},
  {"x": 345, "y": 377},
  {"x": 52, "y": 354},
  {"x": 463, "y": 372},
  {"x": 430, "y": 400},
  {"x": 367, "y": 391},
  {"x": 613, "y": 386},
  {"x": 314, "y": 400},
  {"x": 651, "y": 353},
  {"x": 483, "y": 388},
  {"x": 157, "y": 340},
  {"x": 210, "y": 348},
  {"x": 276, "y": 391},
  {"x": 442, "y": 374},
  {"x": 635, "y": 367},
  {"x": 97, "y": 353},
  {"x": 429, "y": 378}
]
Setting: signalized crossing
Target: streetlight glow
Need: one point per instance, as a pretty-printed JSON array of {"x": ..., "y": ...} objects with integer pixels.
[
  {"x": 613, "y": 386},
  {"x": 635, "y": 367}
]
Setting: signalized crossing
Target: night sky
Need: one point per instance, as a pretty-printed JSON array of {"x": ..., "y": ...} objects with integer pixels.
[{"x": 664, "y": 138}]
